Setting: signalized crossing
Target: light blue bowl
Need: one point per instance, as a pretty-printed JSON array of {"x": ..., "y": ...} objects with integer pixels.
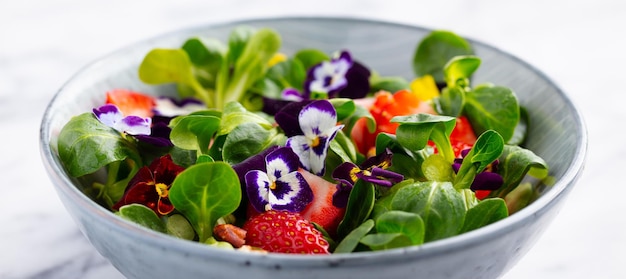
[{"x": 557, "y": 134}]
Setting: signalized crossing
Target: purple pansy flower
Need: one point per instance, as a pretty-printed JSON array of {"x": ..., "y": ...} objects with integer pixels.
[
  {"x": 341, "y": 76},
  {"x": 111, "y": 116},
  {"x": 373, "y": 170},
  {"x": 318, "y": 123},
  {"x": 488, "y": 179},
  {"x": 281, "y": 187}
]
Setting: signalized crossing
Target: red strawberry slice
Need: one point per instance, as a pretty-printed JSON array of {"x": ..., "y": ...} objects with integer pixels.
[
  {"x": 462, "y": 136},
  {"x": 321, "y": 210},
  {"x": 131, "y": 103},
  {"x": 284, "y": 232}
]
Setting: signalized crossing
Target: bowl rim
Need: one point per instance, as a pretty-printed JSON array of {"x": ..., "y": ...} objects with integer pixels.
[{"x": 563, "y": 185}]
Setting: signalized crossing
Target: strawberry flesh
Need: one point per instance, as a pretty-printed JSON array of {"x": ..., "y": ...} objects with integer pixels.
[
  {"x": 321, "y": 210},
  {"x": 284, "y": 232}
]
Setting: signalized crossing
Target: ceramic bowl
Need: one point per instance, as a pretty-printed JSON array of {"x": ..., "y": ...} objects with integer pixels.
[{"x": 557, "y": 134}]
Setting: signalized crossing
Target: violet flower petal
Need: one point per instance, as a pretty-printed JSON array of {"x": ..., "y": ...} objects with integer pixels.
[
  {"x": 292, "y": 193},
  {"x": 487, "y": 181},
  {"x": 281, "y": 187},
  {"x": 281, "y": 162},
  {"x": 292, "y": 94},
  {"x": 341, "y": 196},
  {"x": 358, "y": 82},
  {"x": 159, "y": 135},
  {"x": 108, "y": 114},
  {"x": 287, "y": 118},
  {"x": 111, "y": 116},
  {"x": 328, "y": 77},
  {"x": 258, "y": 188},
  {"x": 134, "y": 125},
  {"x": 343, "y": 173}
]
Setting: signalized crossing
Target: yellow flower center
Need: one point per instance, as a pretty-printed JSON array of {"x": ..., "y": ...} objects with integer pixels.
[
  {"x": 273, "y": 186},
  {"x": 315, "y": 142},
  {"x": 353, "y": 173},
  {"x": 162, "y": 190}
]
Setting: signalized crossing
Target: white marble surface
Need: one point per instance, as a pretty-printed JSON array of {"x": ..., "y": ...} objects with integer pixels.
[{"x": 580, "y": 44}]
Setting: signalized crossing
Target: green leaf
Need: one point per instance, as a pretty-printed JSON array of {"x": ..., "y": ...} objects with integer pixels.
[
  {"x": 519, "y": 135},
  {"x": 451, "y": 101},
  {"x": 403, "y": 160},
  {"x": 206, "y": 56},
  {"x": 84, "y": 134},
  {"x": 205, "y": 53},
  {"x": 385, "y": 241},
  {"x": 205, "y": 192},
  {"x": 162, "y": 66},
  {"x": 390, "y": 84},
  {"x": 235, "y": 114},
  {"x": 436, "y": 168},
  {"x": 515, "y": 163},
  {"x": 287, "y": 74},
  {"x": 487, "y": 148},
  {"x": 435, "y": 50},
  {"x": 486, "y": 212},
  {"x": 439, "y": 205},
  {"x": 360, "y": 205},
  {"x": 342, "y": 146},
  {"x": 194, "y": 132},
  {"x": 142, "y": 215},
  {"x": 415, "y": 131},
  {"x": 178, "y": 226},
  {"x": 383, "y": 203},
  {"x": 459, "y": 69},
  {"x": 249, "y": 66},
  {"x": 486, "y": 114},
  {"x": 345, "y": 107},
  {"x": 351, "y": 241},
  {"x": 406, "y": 223},
  {"x": 360, "y": 112},
  {"x": 247, "y": 140},
  {"x": 311, "y": 57}
]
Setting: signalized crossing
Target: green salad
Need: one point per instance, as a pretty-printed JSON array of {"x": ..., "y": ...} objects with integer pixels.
[{"x": 306, "y": 152}]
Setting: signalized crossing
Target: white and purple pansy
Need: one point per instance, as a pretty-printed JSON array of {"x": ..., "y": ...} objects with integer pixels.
[
  {"x": 281, "y": 187},
  {"x": 339, "y": 77},
  {"x": 170, "y": 107},
  {"x": 318, "y": 122},
  {"x": 111, "y": 116},
  {"x": 329, "y": 77}
]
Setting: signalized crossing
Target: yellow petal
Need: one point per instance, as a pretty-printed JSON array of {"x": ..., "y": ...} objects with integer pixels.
[
  {"x": 277, "y": 58},
  {"x": 425, "y": 88}
]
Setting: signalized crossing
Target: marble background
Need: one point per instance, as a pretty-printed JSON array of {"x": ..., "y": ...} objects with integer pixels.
[{"x": 580, "y": 44}]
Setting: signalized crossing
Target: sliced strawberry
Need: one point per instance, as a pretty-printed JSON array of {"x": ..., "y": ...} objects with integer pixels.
[
  {"x": 321, "y": 210},
  {"x": 131, "y": 102},
  {"x": 284, "y": 232},
  {"x": 462, "y": 136}
]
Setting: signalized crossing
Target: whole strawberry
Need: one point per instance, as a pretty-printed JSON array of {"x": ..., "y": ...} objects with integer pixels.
[{"x": 284, "y": 232}]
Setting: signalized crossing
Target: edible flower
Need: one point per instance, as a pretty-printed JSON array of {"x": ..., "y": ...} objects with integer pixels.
[
  {"x": 487, "y": 180},
  {"x": 339, "y": 77},
  {"x": 151, "y": 185},
  {"x": 372, "y": 170},
  {"x": 170, "y": 107},
  {"x": 318, "y": 123},
  {"x": 111, "y": 116},
  {"x": 281, "y": 187}
]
